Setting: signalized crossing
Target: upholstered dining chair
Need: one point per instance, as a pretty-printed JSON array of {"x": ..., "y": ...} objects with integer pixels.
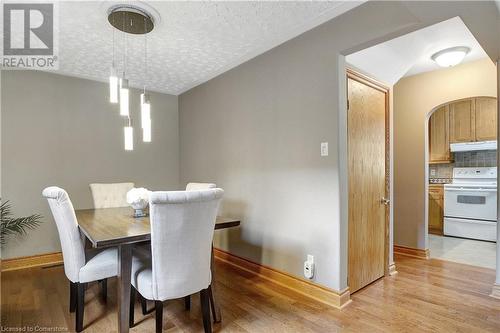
[
  {"x": 80, "y": 267},
  {"x": 110, "y": 195},
  {"x": 182, "y": 228},
  {"x": 195, "y": 187},
  {"x": 199, "y": 186},
  {"x": 189, "y": 187},
  {"x": 145, "y": 249}
]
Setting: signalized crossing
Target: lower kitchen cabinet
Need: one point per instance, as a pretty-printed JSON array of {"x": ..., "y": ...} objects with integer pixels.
[{"x": 436, "y": 209}]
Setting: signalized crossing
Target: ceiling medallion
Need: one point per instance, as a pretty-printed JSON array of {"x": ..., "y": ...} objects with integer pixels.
[{"x": 131, "y": 19}]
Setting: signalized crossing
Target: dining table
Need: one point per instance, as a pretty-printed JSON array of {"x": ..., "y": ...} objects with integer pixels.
[{"x": 117, "y": 227}]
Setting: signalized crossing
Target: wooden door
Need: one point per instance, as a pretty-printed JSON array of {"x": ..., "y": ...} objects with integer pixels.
[
  {"x": 439, "y": 141},
  {"x": 436, "y": 209},
  {"x": 367, "y": 116},
  {"x": 462, "y": 121},
  {"x": 486, "y": 118}
]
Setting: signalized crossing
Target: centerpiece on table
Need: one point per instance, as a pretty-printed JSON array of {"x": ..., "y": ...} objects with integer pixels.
[{"x": 138, "y": 199}]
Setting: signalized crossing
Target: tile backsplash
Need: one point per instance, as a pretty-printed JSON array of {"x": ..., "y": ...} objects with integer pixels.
[
  {"x": 441, "y": 170},
  {"x": 483, "y": 158}
]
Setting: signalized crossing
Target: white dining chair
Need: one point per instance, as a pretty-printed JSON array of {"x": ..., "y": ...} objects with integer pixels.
[
  {"x": 145, "y": 249},
  {"x": 110, "y": 195},
  {"x": 80, "y": 267},
  {"x": 196, "y": 187},
  {"x": 199, "y": 186},
  {"x": 182, "y": 228}
]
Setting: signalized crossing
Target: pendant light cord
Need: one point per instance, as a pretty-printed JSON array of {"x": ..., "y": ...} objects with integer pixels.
[
  {"x": 145, "y": 54},
  {"x": 113, "y": 27},
  {"x": 125, "y": 44},
  {"x": 125, "y": 40}
]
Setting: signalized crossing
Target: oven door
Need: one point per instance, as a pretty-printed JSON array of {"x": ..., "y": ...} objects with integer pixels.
[{"x": 479, "y": 204}]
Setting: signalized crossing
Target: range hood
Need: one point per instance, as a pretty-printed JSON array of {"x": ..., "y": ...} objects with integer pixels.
[{"x": 473, "y": 146}]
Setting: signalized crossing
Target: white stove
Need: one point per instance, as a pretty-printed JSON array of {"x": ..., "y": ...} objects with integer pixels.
[{"x": 470, "y": 204}]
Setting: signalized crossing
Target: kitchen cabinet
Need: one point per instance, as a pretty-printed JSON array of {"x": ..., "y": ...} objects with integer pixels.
[
  {"x": 486, "y": 119},
  {"x": 462, "y": 121},
  {"x": 439, "y": 141},
  {"x": 436, "y": 209},
  {"x": 473, "y": 119}
]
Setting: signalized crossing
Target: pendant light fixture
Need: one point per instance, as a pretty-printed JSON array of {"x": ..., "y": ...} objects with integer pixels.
[
  {"x": 130, "y": 19},
  {"x": 113, "y": 86},
  {"x": 124, "y": 93},
  {"x": 145, "y": 102},
  {"x": 128, "y": 132},
  {"x": 145, "y": 117},
  {"x": 124, "y": 97}
]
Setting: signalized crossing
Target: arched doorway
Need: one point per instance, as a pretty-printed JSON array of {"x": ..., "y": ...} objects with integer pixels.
[{"x": 461, "y": 148}]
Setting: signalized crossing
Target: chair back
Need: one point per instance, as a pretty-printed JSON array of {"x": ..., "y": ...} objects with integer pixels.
[
  {"x": 199, "y": 186},
  {"x": 67, "y": 226},
  {"x": 182, "y": 228},
  {"x": 110, "y": 195}
]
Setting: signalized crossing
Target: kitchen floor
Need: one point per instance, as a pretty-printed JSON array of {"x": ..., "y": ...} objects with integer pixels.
[{"x": 464, "y": 251}]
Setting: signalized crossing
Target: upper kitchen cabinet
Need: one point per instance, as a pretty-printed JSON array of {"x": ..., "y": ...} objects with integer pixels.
[
  {"x": 462, "y": 121},
  {"x": 439, "y": 143},
  {"x": 486, "y": 118},
  {"x": 473, "y": 119}
]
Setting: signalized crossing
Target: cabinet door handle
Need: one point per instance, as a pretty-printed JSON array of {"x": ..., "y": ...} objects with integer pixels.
[{"x": 385, "y": 201}]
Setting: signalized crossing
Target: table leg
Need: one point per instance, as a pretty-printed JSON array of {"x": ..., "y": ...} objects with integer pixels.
[
  {"x": 124, "y": 271},
  {"x": 213, "y": 294}
]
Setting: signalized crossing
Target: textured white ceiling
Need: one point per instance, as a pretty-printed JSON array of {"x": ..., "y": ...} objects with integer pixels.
[
  {"x": 411, "y": 54},
  {"x": 194, "y": 42}
]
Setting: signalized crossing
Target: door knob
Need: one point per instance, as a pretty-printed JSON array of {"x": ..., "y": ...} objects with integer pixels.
[{"x": 385, "y": 201}]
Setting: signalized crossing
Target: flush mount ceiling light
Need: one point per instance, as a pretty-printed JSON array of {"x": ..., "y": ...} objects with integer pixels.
[
  {"x": 450, "y": 57},
  {"x": 130, "y": 19}
]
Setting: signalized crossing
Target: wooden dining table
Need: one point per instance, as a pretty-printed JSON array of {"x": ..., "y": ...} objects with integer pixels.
[{"x": 106, "y": 227}]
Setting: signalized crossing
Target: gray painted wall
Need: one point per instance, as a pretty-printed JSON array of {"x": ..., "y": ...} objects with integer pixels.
[
  {"x": 256, "y": 131},
  {"x": 62, "y": 131}
]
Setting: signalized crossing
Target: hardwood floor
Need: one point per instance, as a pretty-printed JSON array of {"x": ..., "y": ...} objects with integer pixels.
[{"x": 425, "y": 296}]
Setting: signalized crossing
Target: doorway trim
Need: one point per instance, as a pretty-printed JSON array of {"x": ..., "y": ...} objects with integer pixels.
[{"x": 389, "y": 268}]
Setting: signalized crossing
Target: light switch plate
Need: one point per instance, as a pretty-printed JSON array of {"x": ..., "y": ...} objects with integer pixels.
[{"x": 324, "y": 148}]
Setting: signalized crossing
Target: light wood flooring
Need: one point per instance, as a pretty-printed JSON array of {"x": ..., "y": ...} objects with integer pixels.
[{"x": 425, "y": 296}]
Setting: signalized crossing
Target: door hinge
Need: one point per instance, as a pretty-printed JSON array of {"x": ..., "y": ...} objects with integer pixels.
[{"x": 348, "y": 105}]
